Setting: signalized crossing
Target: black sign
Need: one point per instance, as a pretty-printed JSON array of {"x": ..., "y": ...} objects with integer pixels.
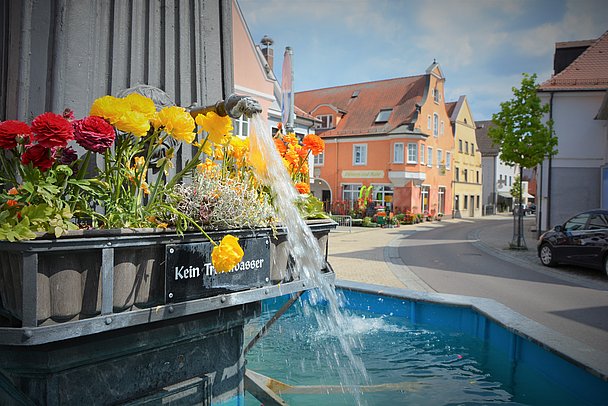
[{"x": 190, "y": 274}]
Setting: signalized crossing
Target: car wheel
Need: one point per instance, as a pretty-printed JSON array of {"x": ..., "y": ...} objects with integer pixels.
[{"x": 547, "y": 258}]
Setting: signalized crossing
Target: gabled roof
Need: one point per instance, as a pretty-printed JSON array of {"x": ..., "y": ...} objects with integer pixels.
[
  {"x": 484, "y": 143},
  {"x": 588, "y": 72},
  {"x": 362, "y": 102},
  {"x": 450, "y": 107}
]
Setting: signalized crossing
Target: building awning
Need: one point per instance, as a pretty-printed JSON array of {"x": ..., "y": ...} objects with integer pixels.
[{"x": 508, "y": 195}]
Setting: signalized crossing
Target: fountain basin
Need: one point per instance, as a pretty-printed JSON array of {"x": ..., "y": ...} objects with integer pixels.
[{"x": 526, "y": 363}]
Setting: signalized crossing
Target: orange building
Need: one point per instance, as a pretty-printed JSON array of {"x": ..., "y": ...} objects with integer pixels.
[{"x": 394, "y": 135}]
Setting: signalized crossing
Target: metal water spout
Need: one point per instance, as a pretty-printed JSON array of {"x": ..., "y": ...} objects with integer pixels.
[{"x": 234, "y": 106}]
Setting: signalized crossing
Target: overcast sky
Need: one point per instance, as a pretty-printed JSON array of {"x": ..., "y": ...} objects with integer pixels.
[{"x": 483, "y": 46}]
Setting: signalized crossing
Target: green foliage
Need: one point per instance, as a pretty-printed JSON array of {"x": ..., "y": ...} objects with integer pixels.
[
  {"x": 519, "y": 132},
  {"x": 311, "y": 208},
  {"x": 516, "y": 189},
  {"x": 44, "y": 202}
]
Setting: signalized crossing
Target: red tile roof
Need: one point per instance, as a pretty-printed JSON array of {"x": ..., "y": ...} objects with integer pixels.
[
  {"x": 588, "y": 72},
  {"x": 301, "y": 113},
  {"x": 449, "y": 108},
  {"x": 400, "y": 94}
]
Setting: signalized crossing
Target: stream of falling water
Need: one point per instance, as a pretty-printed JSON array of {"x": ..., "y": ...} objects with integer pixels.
[{"x": 308, "y": 259}]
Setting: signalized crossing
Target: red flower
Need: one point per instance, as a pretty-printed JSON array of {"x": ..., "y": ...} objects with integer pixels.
[
  {"x": 66, "y": 155},
  {"x": 12, "y": 203},
  {"x": 94, "y": 134},
  {"x": 52, "y": 130},
  {"x": 10, "y": 130},
  {"x": 39, "y": 156}
]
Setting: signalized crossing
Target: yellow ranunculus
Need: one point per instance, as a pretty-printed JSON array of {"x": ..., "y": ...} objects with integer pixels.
[
  {"x": 141, "y": 104},
  {"x": 139, "y": 161},
  {"x": 110, "y": 108},
  {"x": 217, "y": 126},
  {"x": 290, "y": 139},
  {"x": 238, "y": 147},
  {"x": 206, "y": 166},
  {"x": 218, "y": 154},
  {"x": 227, "y": 254},
  {"x": 292, "y": 155},
  {"x": 133, "y": 122},
  {"x": 178, "y": 123}
]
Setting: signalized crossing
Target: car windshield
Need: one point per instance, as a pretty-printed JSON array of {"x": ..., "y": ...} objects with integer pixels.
[{"x": 577, "y": 222}]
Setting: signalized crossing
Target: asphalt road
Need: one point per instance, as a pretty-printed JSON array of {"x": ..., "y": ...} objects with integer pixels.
[{"x": 572, "y": 301}]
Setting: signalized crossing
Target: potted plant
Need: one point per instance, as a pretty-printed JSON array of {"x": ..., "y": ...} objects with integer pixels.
[{"x": 126, "y": 214}]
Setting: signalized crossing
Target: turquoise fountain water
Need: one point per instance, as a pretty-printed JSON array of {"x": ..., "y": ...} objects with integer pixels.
[{"x": 309, "y": 261}]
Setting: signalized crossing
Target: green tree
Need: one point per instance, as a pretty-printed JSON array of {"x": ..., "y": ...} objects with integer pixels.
[
  {"x": 516, "y": 189},
  {"x": 522, "y": 137}
]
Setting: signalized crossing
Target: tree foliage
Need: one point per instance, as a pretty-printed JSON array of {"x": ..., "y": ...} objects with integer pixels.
[
  {"x": 516, "y": 189},
  {"x": 519, "y": 131}
]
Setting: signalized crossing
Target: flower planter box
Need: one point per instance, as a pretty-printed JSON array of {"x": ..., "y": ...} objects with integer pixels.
[{"x": 96, "y": 273}]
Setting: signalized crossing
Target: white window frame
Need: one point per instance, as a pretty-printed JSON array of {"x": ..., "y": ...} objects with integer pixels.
[
  {"x": 240, "y": 123},
  {"x": 326, "y": 119},
  {"x": 435, "y": 124},
  {"x": 439, "y": 157},
  {"x": 362, "y": 148},
  {"x": 398, "y": 158},
  {"x": 422, "y": 153},
  {"x": 429, "y": 122},
  {"x": 460, "y": 146},
  {"x": 319, "y": 160},
  {"x": 383, "y": 191},
  {"x": 436, "y": 95},
  {"x": 412, "y": 153},
  {"x": 429, "y": 156},
  {"x": 448, "y": 159},
  {"x": 352, "y": 190}
]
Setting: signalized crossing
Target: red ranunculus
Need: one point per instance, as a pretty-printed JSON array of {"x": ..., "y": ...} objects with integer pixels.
[
  {"x": 94, "y": 134},
  {"x": 52, "y": 130},
  {"x": 9, "y": 130},
  {"x": 39, "y": 156},
  {"x": 66, "y": 156}
]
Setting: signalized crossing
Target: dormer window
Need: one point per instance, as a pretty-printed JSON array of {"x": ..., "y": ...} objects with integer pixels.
[
  {"x": 355, "y": 94},
  {"x": 383, "y": 116},
  {"x": 327, "y": 121}
]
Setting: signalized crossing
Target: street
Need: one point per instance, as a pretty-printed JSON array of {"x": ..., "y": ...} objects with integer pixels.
[{"x": 449, "y": 259}]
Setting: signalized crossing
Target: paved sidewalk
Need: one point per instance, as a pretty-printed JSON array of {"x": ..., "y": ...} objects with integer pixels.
[{"x": 370, "y": 255}]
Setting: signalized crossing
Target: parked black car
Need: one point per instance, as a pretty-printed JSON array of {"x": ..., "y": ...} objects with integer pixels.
[
  {"x": 582, "y": 240},
  {"x": 532, "y": 208}
]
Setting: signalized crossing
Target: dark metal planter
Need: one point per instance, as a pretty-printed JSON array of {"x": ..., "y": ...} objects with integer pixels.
[
  {"x": 103, "y": 273},
  {"x": 134, "y": 316}
]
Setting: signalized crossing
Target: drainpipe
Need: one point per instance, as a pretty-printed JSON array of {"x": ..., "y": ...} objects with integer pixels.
[
  {"x": 539, "y": 200},
  {"x": 494, "y": 193},
  {"x": 549, "y": 170}
]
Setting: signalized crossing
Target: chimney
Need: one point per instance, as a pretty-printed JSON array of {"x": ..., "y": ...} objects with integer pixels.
[{"x": 267, "y": 50}]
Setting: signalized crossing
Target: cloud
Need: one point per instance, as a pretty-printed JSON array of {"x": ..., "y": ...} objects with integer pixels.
[{"x": 483, "y": 46}]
